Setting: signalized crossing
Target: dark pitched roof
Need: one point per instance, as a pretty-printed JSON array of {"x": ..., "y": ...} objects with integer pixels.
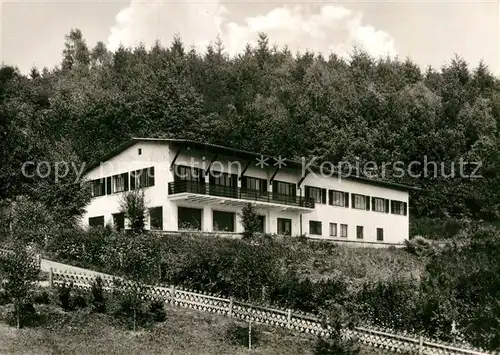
[{"x": 242, "y": 154}]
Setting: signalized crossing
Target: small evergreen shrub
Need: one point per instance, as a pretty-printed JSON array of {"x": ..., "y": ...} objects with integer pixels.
[
  {"x": 157, "y": 311},
  {"x": 336, "y": 346},
  {"x": 64, "y": 297},
  {"x": 98, "y": 300},
  {"x": 41, "y": 297}
]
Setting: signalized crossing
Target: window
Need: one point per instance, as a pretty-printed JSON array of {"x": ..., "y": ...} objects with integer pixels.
[
  {"x": 139, "y": 151},
  {"x": 380, "y": 234},
  {"x": 187, "y": 173},
  {"x": 284, "y": 188},
  {"x": 380, "y": 204},
  {"x": 189, "y": 218},
  {"x": 120, "y": 182},
  {"x": 399, "y": 207},
  {"x": 338, "y": 198},
  {"x": 343, "y": 230},
  {"x": 223, "y": 221},
  {"x": 284, "y": 226},
  {"x": 223, "y": 179},
  {"x": 108, "y": 185},
  {"x": 359, "y": 232},
  {"x": 98, "y": 188},
  {"x": 119, "y": 221},
  {"x": 142, "y": 178},
  {"x": 315, "y": 227},
  {"x": 333, "y": 229},
  {"x": 361, "y": 202},
  {"x": 256, "y": 184},
  {"x": 96, "y": 221},
  {"x": 316, "y": 193},
  {"x": 156, "y": 218},
  {"x": 262, "y": 223}
]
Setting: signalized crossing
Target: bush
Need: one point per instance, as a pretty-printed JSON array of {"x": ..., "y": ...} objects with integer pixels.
[
  {"x": 64, "y": 296},
  {"x": 41, "y": 297},
  {"x": 157, "y": 311},
  {"x": 420, "y": 247},
  {"x": 336, "y": 346},
  {"x": 250, "y": 221},
  {"x": 238, "y": 334},
  {"x": 97, "y": 299}
]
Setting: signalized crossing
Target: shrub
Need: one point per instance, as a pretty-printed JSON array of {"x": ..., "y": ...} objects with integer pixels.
[
  {"x": 41, "y": 297},
  {"x": 20, "y": 274},
  {"x": 420, "y": 247},
  {"x": 97, "y": 299},
  {"x": 336, "y": 346},
  {"x": 157, "y": 311},
  {"x": 64, "y": 296},
  {"x": 133, "y": 206},
  {"x": 250, "y": 220}
]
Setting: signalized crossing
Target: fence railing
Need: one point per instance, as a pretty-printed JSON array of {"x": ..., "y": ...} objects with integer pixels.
[
  {"x": 202, "y": 188},
  {"x": 283, "y": 318}
]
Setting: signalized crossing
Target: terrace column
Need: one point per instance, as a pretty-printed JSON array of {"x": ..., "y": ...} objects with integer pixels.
[{"x": 207, "y": 221}]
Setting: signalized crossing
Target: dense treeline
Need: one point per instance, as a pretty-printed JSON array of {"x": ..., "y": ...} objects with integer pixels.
[{"x": 266, "y": 99}]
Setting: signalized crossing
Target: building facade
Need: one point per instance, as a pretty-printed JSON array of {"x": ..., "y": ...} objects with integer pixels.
[{"x": 196, "y": 186}]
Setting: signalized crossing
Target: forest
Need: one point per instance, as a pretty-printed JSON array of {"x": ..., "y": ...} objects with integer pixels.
[
  {"x": 267, "y": 100},
  {"x": 272, "y": 101}
]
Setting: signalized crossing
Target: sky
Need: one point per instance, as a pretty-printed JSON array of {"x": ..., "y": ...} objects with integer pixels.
[{"x": 429, "y": 32}]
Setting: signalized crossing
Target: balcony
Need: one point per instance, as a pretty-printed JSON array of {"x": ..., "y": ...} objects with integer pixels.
[{"x": 207, "y": 193}]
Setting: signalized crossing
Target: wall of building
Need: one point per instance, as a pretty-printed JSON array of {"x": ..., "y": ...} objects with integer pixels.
[
  {"x": 396, "y": 227},
  {"x": 153, "y": 154},
  {"x": 159, "y": 155}
]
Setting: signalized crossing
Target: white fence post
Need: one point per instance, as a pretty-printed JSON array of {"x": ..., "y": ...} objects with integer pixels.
[
  {"x": 289, "y": 318},
  {"x": 420, "y": 344},
  {"x": 51, "y": 277},
  {"x": 172, "y": 294},
  {"x": 230, "y": 313}
]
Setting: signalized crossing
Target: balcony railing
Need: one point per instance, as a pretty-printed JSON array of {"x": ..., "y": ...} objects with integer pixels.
[{"x": 202, "y": 188}]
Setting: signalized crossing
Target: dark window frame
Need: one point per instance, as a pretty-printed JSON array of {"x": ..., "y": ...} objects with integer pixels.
[
  {"x": 315, "y": 227},
  {"x": 380, "y": 234},
  {"x": 152, "y": 217},
  {"x": 401, "y": 210},
  {"x": 318, "y": 194},
  {"x": 360, "y": 231},
  {"x": 279, "y": 221},
  {"x": 344, "y": 227},
  {"x": 216, "y": 228},
  {"x": 335, "y": 234},
  {"x": 344, "y": 201},
  {"x": 377, "y": 202},
  {"x": 95, "y": 218},
  {"x": 355, "y": 198}
]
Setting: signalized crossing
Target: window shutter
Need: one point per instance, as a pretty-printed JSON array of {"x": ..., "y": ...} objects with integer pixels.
[
  {"x": 132, "y": 180},
  {"x": 405, "y": 208},
  {"x": 330, "y": 197},
  {"x": 323, "y": 196},
  {"x": 125, "y": 181},
  {"x": 151, "y": 176},
  {"x": 353, "y": 199},
  {"x": 108, "y": 185},
  {"x": 367, "y": 200},
  {"x": 373, "y": 204},
  {"x": 346, "y": 199},
  {"x": 386, "y": 206}
]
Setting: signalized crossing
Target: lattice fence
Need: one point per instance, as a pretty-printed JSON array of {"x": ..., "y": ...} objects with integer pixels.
[{"x": 274, "y": 317}]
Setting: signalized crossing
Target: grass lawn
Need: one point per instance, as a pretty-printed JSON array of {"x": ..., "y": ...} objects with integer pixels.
[{"x": 184, "y": 332}]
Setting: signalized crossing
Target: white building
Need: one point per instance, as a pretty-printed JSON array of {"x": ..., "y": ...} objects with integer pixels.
[{"x": 193, "y": 185}]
